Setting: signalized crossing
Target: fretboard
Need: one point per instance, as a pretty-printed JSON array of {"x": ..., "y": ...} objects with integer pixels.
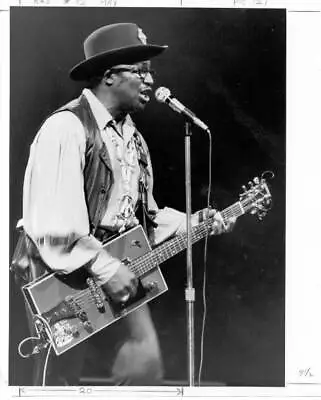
[{"x": 177, "y": 244}]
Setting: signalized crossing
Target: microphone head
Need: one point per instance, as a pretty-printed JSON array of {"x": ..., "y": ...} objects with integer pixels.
[{"x": 162, "y": 94}]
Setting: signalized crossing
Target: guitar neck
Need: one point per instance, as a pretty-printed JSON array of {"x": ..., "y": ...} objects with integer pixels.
[{"x": 179, "y": 243}]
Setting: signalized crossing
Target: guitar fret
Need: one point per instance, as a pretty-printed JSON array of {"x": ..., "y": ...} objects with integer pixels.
[
  {"x": 175, "y": 245},
  {"x": 167, "y": 250},
  {"x": 235, "y": 210}
]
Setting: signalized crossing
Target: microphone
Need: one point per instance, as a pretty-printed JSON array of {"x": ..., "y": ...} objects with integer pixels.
[{"x": 163, "y": 95}]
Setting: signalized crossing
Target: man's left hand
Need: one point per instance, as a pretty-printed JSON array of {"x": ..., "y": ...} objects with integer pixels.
[{"x": 219, "y": 226}]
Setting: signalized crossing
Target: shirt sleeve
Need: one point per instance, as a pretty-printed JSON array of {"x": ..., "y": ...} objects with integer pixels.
[{"x": 54, "y": 208}]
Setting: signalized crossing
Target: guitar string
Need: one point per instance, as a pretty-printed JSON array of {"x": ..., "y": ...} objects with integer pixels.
[
  {"x": 168, "y": 251},
  {"x": 234, "y": 210},
  {"x": 81, "y": 299},
  {"x": 85, "y": 300},
  {"x": 171, "y": 250},
  {"x": 143, "y": 263},
  {"x": 151, "y": 259}
]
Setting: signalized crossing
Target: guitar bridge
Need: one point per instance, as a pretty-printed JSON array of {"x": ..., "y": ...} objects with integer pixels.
[{"x": 96, "y": 295}]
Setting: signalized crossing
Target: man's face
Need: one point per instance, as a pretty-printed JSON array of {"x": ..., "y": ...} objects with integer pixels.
[{"x": 132, "y": 86}]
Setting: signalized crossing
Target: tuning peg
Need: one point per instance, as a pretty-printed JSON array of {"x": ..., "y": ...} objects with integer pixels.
[
  {"x": 244, "y": 188},
  {"x": 261, "y": 215},
  {"x": 250, "y": 184},
  {"x": 268, "y": 175},
  {"x": 256, "y": 180}
]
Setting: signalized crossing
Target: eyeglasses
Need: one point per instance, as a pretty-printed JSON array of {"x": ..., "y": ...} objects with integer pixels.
[{"x": 141, "y": 71}]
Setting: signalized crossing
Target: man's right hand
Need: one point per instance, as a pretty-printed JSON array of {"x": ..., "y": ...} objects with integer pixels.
[{"x": 121, "y": 285}]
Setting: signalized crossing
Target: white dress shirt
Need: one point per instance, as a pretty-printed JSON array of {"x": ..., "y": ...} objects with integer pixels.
[{"x": 53, "y": 195}]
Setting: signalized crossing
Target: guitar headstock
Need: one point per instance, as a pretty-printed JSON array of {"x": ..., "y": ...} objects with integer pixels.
[{"x": 256, "y": 197}]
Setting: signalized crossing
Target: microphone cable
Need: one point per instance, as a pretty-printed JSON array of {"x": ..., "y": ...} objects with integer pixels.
[
  {"x": 38, "y": 348},
  {"x": 205, "y": 260}
]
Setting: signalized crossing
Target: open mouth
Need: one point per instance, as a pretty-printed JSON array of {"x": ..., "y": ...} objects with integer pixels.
[{"x": 144, "y": 95}]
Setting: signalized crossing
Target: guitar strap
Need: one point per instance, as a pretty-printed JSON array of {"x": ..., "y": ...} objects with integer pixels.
[
  {"x": 26, "y": 263},
  {"x": 144, "y": 215}
]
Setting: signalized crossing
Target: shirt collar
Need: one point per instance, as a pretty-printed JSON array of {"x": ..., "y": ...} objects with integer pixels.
[{"x": 101, "y": 115}]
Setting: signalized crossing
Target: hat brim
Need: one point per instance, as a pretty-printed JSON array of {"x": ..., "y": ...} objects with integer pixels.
[{"x": 96, "y": 65}]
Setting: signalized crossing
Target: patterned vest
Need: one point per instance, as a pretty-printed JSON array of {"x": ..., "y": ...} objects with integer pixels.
[
  {"x": 98, "y": 176},
  {"x": 26, "y": 262}
]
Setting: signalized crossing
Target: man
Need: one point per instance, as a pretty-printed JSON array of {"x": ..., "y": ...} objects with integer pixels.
[{"x": 88, "y": 177}]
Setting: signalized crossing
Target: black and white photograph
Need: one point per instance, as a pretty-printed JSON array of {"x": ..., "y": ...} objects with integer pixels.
[{"x": 147, "y": 197}]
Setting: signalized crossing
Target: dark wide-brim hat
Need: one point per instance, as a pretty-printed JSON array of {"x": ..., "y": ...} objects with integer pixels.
[{"x": 111, "y": 45}]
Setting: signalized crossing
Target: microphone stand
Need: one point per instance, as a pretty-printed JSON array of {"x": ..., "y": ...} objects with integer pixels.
[{"x": 189, "y": 291}]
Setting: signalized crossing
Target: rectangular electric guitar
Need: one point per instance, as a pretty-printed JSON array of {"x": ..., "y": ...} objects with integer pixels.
[{"x": 68, "y": 309}]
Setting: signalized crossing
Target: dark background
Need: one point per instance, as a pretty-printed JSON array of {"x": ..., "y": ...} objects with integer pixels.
[{"x": 228, "y": 66}]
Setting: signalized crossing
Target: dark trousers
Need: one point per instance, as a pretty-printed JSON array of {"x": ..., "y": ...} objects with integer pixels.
[{"x": 137, "y": 361}]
